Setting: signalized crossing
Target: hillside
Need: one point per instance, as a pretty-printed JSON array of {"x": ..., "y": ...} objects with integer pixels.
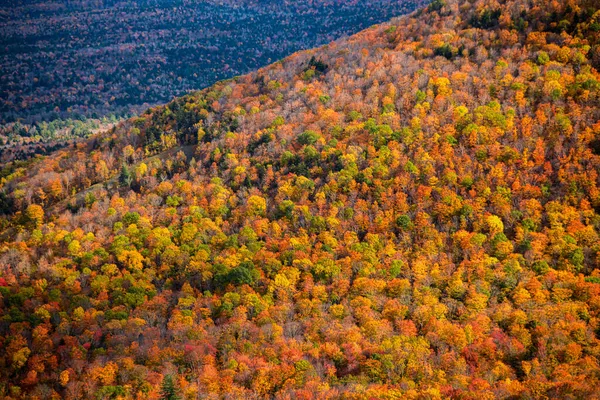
[
  {"x": 69, "y": 59},
  {"x": 410, "y": 212}
]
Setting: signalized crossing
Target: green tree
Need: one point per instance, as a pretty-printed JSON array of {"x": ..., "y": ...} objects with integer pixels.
[
  {"x": 125, "y": 178},
  {"x": 168, "y": 391}
]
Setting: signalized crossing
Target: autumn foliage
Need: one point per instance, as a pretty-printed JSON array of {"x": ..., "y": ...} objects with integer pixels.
[{"x": 412, "y": 212}]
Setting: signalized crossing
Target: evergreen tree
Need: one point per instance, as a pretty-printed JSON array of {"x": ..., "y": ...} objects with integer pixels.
[
  {"x": 167, "y": 389},
  {"x": 125, "y": 178}
]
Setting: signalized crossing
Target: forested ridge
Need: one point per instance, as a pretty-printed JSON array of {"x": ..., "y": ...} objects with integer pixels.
[
  {"x": 64, "y": 59},
  {"x": 411, "y": 212}
]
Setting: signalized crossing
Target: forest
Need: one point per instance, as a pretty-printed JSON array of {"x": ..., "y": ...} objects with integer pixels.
[
  {"x": 409, "y": 212},
  {"x": 20, "y": 142},
  {"x": 72, "y": 59}
]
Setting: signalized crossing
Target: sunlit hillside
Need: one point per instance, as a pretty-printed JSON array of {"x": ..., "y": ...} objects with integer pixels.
[{"x": 412, "y": 212}]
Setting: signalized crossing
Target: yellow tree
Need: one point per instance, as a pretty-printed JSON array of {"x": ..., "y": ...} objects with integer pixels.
[{"x": 35, "y": 213}]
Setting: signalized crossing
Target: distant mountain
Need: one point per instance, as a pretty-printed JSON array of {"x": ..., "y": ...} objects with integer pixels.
[
  {"x": 410, "y": 212},
  {"x": 66, "y": 59}
]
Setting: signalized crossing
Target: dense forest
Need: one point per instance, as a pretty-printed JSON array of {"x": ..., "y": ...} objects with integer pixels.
[
  {"x": 87, "y": 58},
  {"x": 411, "y": 212},
  {"x": 23, "y": 141}
]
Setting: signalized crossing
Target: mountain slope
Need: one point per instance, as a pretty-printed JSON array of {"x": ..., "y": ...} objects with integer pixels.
[
  {"x": 412, "y": 211},
  {"x": 62, "y": 60}
]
